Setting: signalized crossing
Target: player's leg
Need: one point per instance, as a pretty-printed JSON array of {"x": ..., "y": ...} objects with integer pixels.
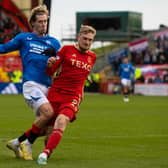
[
  {"x": 34, "y": 95},
  {"x": 65, "y": 112},
  {"x": 14, "y": 144},
  {"x": 55, "y": 138},
  {"x": 127, "y": 92},
  {"x": 125, "y": 88},
  {"x": 46, "y": 114}
]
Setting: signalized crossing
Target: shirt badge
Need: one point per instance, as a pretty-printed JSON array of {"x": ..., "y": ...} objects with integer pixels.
[
  {"x": 89, "y": 59},
  {"x": 29, "y": 38},
  {"x": 73, "y": 55},
  {"x": 48, "y": 42}
]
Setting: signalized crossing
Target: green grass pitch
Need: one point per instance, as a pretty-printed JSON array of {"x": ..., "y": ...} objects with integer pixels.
[{"x": 107, "y": 134}]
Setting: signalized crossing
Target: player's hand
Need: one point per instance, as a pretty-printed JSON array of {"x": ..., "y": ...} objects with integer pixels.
[
  {"x": 89, "y": 79},
  {"x": 51, "y": 61}
]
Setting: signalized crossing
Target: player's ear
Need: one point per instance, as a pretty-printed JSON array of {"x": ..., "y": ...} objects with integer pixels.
[
  {"x": 77, "y": 37},
  {"x": 32, "y": 24}
]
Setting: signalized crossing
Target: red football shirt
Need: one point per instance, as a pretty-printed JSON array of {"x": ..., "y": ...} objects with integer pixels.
[{"x": 73, "y": 68}]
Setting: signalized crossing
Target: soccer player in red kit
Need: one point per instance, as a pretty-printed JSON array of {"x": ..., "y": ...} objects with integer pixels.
[{"x": 71, "y": 67}]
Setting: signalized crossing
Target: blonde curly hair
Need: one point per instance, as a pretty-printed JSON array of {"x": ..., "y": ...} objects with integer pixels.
[
  {"x": 87, "y": 29},
  {"x": 39, "y": 10}
]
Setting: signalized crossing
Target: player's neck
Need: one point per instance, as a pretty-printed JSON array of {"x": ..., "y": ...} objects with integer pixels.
[
  {"x": 80, "y": 49},
  {"x": 39, "y": 34}
]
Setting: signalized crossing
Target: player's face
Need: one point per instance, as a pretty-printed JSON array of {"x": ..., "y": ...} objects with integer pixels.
[
  {"x": 40, "y": 25},
  {"x": 85, "y": 41},
  {"x": 125, "y": 60}
]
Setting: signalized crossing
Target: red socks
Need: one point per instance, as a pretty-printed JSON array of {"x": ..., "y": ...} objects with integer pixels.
[
  {"x": 34, "y": 133},
  {"x": 53, "y": 141},
  {"x": 28, "y": 132},
  {"x": 35, "y": 129}
]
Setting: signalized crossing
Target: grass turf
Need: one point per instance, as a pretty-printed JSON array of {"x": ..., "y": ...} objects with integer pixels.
[{"x": 108, "y": 133}]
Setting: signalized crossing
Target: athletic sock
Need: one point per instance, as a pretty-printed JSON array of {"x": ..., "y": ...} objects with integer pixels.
[
  {"x": 34, "y": 133},
  {"x": 53, "y": 141},
  {"x": 126, "y": 96},
  {"x": 24, "y": 135},
  {"x": 22, "y": 138}
]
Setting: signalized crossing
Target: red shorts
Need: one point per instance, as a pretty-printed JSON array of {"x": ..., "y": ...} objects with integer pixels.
[{"x": 64, "y": 104}]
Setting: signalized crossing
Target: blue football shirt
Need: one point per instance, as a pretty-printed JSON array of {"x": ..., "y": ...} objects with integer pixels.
[
  {"x": 126, "y": 71},
  {"x": 34, "y": 63}
]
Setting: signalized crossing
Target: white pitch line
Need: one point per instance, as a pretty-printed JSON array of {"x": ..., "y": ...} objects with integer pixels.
[{"x": 120, "y": 136}]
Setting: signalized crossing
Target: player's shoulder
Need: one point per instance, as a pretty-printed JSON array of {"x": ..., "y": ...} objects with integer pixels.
[
  {"x": 64, "y": 48},
  {"x": 23, "y": 36},
  {"x": 91, "y": 53},
  {"x": 122, "y": 65},
  {"x": 130, "y": 64},
  {"x": 52, "y": 41},
  {"x": 67, "y": 47},
  {"x": 52, "y": 38}
]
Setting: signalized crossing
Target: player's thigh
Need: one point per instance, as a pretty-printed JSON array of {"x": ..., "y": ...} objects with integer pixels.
[
  {"x": 61, "y": 122},
  {"x": 46, "y": 110},
  {"x": 70, "y": 108},
  {"x": 35, "y": 95}
]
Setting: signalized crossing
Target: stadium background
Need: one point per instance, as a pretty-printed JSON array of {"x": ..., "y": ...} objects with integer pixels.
[
  {"x": 147, "y": 49},
  {"x": 108, "y": 132}
]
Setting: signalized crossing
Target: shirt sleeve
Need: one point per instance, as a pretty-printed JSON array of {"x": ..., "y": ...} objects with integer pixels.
[
  {"x": 12, "y": 45},
  {"x": 57, "y": 45},
  {"x": 94, "y": 61}
]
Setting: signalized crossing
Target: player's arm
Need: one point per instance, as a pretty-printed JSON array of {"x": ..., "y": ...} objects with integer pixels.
[
  {"x": 89, "y": 78},
  {"x": 12, "y": 45},
  {"x": 53, "y": 63},
  {"x": 57, "y": 45}
]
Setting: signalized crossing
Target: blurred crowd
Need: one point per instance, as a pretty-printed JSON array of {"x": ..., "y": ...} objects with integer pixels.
[
  {"x": 155, "y": 53},
  {"x": 8, "y": 28},
  {"x": 10, "y": 64},
  {"x": 154, "y": 56}
]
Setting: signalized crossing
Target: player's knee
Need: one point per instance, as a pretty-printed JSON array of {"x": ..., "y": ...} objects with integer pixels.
[
  {"x": 62, "y": 121},
  {"x": 46, "y": 112}
]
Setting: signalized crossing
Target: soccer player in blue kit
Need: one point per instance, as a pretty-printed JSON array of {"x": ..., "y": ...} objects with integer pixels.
[
  {"x": 126, "y": 73},
  {"x": 35, "y": 49}
]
